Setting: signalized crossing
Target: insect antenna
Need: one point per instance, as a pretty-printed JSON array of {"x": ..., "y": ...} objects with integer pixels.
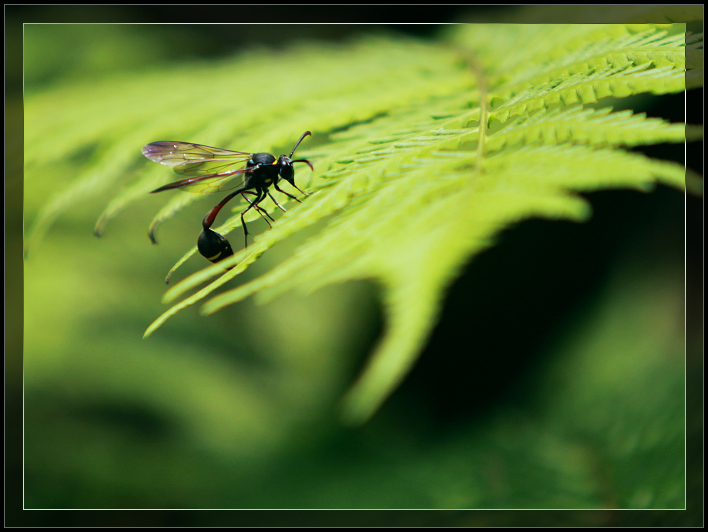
[{"x": 306, "y": 133}]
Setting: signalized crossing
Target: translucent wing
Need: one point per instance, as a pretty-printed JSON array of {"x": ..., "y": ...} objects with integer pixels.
[
  {"x": 193, "y": 159},
  {"x": 208, "y": 184},
  {"x": 210, "y": 168}
]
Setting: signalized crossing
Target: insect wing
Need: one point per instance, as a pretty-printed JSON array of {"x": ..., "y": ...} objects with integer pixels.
[
  {"x": 208, "y": 184},
  {"x": 194, "y": 159}
]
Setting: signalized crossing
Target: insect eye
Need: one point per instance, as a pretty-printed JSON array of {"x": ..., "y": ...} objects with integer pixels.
[
  {"x": 286, "y": 170},
  {"x": 213, "y": 246}
]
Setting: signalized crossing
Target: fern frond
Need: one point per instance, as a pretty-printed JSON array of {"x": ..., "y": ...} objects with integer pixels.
[{"x": 416, "y": 192}]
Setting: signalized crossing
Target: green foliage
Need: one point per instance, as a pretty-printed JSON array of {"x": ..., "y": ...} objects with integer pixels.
[{"x": 408, "y": 184}]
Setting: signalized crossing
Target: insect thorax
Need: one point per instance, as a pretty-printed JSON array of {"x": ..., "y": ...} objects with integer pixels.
[{"x": 261, "y": 158}]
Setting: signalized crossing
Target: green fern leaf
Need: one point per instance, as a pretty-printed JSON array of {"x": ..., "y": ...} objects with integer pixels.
[{"x": 416, "y": 187}]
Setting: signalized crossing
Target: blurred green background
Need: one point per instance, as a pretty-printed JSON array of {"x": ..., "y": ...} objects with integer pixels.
[{"x": 555, "y": 378}]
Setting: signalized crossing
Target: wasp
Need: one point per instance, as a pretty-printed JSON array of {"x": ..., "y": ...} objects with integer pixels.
[{"x": 212, "y": 170}]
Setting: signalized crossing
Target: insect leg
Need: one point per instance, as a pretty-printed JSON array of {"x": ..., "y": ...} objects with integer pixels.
[
  {"x": 288, "y": 195},
  {"x": 259, "y": 197},
  {"x": 260, "y": 209},
  {"x": 278, "y": 204}
]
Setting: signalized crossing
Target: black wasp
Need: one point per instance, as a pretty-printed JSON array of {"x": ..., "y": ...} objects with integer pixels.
[{"x": 211, "y": 171}]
